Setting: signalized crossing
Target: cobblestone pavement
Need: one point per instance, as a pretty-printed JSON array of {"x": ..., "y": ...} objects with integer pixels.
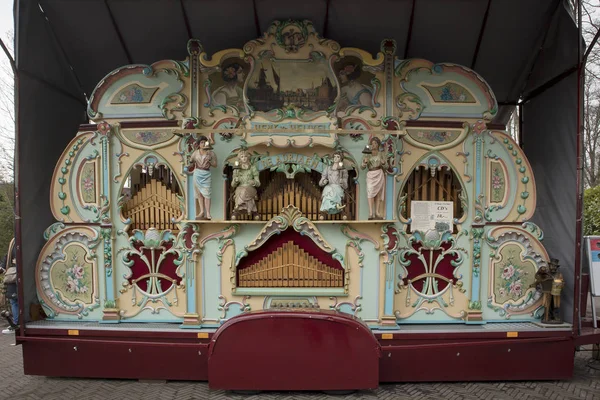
[{"x": 585, "y": 384}]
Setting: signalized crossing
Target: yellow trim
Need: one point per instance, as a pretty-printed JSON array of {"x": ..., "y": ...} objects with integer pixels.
[
  {"x": 73, "y": 332},
  {"x": 512, "y": 334},
  {"x": 365, "y": 56},
  {"x": 215, "y": 60}
]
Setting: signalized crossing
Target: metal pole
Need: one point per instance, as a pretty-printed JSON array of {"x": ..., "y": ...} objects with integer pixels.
[
  {"x": 17, "y": 179},
  {"x": 579, "y": 194}
]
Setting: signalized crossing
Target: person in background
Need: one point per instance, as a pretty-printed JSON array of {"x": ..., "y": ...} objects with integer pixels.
[{"x": 11, "y": 288}]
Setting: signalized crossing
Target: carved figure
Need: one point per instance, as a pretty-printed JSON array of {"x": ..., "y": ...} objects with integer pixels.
[
  {"x": 558, "y": 283},
  {"x": 335, "y": 180},
  {"x": 231, "y": 94},
  {"x": 551, "y": 282},
  {"x": 245, "y": 181},
  {"x": 203, "y": 158},
  {"x": 375, "y": 162},
  {"x": 292, "y": 41},
  {"x": 353, "y": 93}
]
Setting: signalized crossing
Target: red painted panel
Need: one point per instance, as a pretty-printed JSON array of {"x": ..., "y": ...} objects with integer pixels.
[
  {"x": 515, "y": 359},
  {"x": 444, "y": 268},
  {"x": 117, "y": 359},
  {"x": 325, "y": 352},
  {"x": 276, "y": 241},
  {"x": 295, "y": 350},
  {"x": 588, "y": 335}
]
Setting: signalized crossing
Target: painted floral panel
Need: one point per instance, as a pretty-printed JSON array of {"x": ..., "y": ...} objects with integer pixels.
[
  {"x": 512, "y": 275},
  {"x": 87, "y": 182},
  {"x": 73, "y": 276},
  {"x": 134, "y": 94},
  {"x": 450, "y": 93},
  {"x": 497, "y": 182},
  {"x": 147, "y": 138},
  {"x": 433, "y": 137}
]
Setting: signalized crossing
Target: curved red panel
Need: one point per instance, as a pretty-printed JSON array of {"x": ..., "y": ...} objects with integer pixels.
[{"x": 294, "y": 350}]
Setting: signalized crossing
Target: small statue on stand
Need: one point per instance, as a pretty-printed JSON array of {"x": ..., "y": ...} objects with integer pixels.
[
  {"x": 203, "y": 159},
  {"x": 335, "y": 180},
  {"x": 551, "y": 283},
  {"x": 245, "y": 181},
  {"x": 375, "y": 162}
]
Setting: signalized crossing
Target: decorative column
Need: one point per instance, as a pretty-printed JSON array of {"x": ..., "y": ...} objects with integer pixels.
[
  {"x": 110, "y": 313},
  {"x": 388, "y": 47},
  {"x": 391, "y": 241},
  {"x": 194, "y": 49},
  {"x": 191, "y": 249},
  {"x": 474, "y": 312}
]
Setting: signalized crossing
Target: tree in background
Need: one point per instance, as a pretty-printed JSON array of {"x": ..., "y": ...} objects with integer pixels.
[
  {"x": 591, "y": 133},
  {"x": 7, "y": 112},
  {"x": 591, "y": 210},
  {"x": 7, "y": 143},
  {"x": 591, "y": 118},
  {"x": 591, "y": 95}
]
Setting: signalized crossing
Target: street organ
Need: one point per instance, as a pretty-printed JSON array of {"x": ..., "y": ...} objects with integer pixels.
[{"x": 292, "y": 174}]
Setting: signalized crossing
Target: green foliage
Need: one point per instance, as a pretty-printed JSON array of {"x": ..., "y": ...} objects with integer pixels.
[
  {"x": 7, "y": 216},
  {"x": 591, "y": 211}
]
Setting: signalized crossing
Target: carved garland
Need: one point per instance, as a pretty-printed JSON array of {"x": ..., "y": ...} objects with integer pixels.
[
  {"x": 152, "y": 240},
  {"x": 430, "y": 299}
]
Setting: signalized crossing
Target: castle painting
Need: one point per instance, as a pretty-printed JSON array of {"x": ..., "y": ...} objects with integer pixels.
[{"x": 277, "y": 84}]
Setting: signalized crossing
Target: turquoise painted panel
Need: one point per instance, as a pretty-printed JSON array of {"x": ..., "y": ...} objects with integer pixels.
[
  {"x": 371, "y": 277},
  {"x": 211, "y": 286}
]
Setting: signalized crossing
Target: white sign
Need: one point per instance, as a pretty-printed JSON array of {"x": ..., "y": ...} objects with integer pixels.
[
  {"x": 593, "y": 259},
  {"x": 431, "y": 215}
]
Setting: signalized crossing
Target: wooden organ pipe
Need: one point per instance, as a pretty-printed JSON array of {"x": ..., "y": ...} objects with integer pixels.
[
  {"x": 303, "y": 192},
  {"x": 290, "y": 266},
  {"x": 154, "y": 205},
  {"x": 421, "y": 186}
]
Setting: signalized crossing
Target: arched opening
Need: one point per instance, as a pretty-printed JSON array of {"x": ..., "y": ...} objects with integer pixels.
[
  {"x": 292, "y": 260},
  {"x": 278, "y": 190},
  {"x": 432, "y": 183},
  {"x": 152, "y": 197}
]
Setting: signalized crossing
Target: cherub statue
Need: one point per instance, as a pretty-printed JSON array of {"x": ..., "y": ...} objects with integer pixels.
[
  {"x": 245, "y": 181},
  {"x": 375, "y": 161},
  {"x": 551, "y": 283},
  {"x": 335, "y": 180},
  {"x": 203, "y": 159}
]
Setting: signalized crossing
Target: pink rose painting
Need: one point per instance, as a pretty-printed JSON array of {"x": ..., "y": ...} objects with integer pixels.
[
  {"x": 516, "y": 289},
  {"x": 76, "y": 279},
  {"x": 508, "y": 272},
  {"x": 509, "y": 280}
]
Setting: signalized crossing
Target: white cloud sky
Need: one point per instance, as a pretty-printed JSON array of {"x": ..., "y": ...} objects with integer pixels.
[
  {"x": 6, "y": 17},
  {"x": 6, "y": 123}
]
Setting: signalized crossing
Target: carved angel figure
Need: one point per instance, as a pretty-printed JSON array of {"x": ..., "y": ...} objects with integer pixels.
[
  {"x": 245, "y": 181},
  {"x": 335, "y": 180}
]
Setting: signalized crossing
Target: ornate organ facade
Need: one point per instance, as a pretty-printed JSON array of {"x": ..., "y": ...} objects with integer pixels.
[{"x": 292, "y": 172}]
